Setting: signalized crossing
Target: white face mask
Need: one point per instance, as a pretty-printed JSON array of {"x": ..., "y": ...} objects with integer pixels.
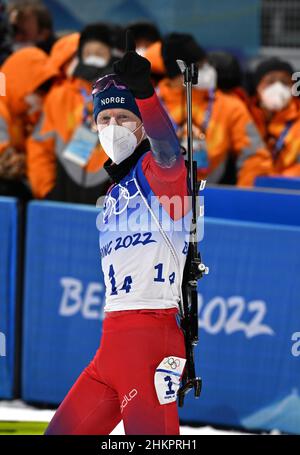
[
  {"x": 276, "y": 96},
  {"x": 207, "y": 77},
  {"x": 118, "y": 142},
  {"x": 95, "y": 60}
]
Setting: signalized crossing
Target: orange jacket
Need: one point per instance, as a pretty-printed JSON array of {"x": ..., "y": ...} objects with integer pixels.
[
  {"x": 64, "y": 50},
  {"x": 24, "y": 72},
  {"x": 153, "y": 54},
  {"x": 230, "y": 130},
  {"x": 48, "y": 169},
  {"x": 287, "y": 161}
]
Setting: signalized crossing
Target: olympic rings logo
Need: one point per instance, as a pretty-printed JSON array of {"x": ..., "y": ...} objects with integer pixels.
[
  {"x": 172, "y": 363},
  {"x": 118, "y": 200}
]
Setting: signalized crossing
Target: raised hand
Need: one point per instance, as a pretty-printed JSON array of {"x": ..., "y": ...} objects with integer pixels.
[
  {"x": 130, "y": 43},
  {"x": 134, "y": 70}
]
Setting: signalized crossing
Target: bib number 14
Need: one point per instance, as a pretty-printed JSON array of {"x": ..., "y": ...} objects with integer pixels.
[{"x": 127, "y": 283}]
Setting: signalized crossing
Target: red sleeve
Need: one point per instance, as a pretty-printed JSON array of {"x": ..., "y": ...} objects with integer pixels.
[{"x": 167, "y": 183}]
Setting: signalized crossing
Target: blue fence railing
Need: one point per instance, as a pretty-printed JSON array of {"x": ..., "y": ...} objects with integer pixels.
[
  {"x": 63, "y": 298},
  {"x": 278, "y": 182},
  {"x": 8, "y": 273},
  {"x": 249, "y": 313}
]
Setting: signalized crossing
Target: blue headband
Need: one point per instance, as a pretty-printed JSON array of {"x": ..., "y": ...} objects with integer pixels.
[{"x": 114, "y": 98}]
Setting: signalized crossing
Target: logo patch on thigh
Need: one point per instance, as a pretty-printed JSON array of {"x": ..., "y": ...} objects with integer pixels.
[{"x": 167, "y": 378}]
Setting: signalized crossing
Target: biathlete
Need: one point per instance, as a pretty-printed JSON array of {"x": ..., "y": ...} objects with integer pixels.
[{"x": 135, "y": 374}]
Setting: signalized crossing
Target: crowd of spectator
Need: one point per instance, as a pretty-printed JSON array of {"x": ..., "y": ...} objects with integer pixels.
[{"x": 241, "y": 130}]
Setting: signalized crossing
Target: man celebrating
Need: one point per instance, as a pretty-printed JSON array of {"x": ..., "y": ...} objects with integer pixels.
[{"x": 136, "y": 372}]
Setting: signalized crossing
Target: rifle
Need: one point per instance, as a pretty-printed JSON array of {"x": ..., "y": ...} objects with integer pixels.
[{"x": 194, "y": 269}]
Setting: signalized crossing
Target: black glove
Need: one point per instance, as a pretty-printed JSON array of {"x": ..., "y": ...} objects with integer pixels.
[{"x": 134, "y": 70}]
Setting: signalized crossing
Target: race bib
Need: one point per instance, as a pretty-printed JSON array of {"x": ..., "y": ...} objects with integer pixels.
[
  {"x": 81, "y": 146},
  {"x": 167, "y": 378}
]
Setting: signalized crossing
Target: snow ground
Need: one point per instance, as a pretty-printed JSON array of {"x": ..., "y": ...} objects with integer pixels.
[{"x": 19, "y": 411}]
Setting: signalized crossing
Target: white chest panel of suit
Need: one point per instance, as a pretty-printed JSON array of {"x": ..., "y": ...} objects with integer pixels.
[{"x": 142, "y": 263}]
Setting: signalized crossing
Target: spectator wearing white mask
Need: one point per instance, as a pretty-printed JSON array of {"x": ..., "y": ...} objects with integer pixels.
[
  {"x": 224, "y": 133},
  {"x": 94, "y": 52},
  {"x": 277, "y": 115},
  {"x": 65, "y": 159}
]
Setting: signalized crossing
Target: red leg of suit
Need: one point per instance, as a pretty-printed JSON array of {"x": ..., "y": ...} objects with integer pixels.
[{"x": 119, "y": 382}]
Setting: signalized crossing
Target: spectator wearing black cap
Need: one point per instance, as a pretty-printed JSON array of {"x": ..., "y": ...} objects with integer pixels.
[
  {"x": 229, "y": 71},
  {"x": 230, "y": 76},
  {"x": 94, "y": 52},
  {"x": 222, "y": 125},
  {"x": 118, "y": 37},
  {"x": 230, "y": 81},
  {"x": 145, "y": 34},
  {"x": 56, "y": 168},
  {"x": 273, "y": 82},
  {"x": 277, "y": 115}
]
